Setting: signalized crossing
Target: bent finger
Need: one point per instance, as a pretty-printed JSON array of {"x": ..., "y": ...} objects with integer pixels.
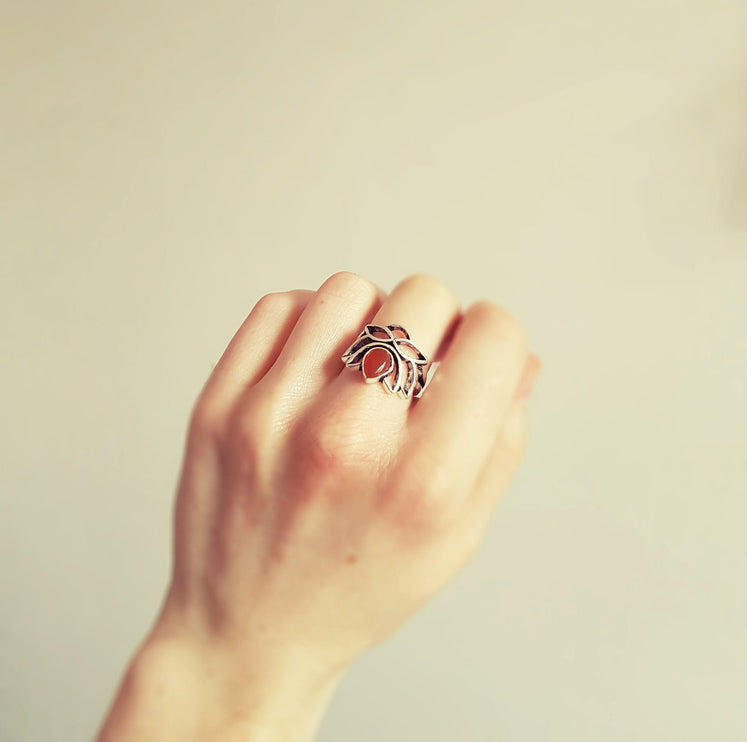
[
  {"x": 494, "y": 478},
  {"x": 466, "y": 403},
  {"x": 253, "y": 349}
]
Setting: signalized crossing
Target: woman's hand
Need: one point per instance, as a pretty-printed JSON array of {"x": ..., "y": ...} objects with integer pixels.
[{"x": 316, "y": 513}]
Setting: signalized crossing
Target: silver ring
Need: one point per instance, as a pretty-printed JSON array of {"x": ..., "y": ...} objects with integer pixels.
[{"x": 388, "y": 355}]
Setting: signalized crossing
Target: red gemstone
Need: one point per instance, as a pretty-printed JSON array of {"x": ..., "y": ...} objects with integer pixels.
[{"x": 378, "y": 361}]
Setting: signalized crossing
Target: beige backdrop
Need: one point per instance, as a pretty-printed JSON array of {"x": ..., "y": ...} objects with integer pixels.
[{"x": 164, "y": 164}]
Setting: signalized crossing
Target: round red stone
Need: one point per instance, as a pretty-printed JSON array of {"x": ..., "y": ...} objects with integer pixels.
[{"x": 378, "y": 361}]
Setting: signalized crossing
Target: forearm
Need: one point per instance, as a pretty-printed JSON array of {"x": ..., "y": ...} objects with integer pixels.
[{"x": 171, "y": 692}]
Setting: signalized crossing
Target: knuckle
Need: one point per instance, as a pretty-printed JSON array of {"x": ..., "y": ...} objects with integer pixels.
[
  {"x": 422, "y": 504},
  {"x": 425, "y": 282},
  {"x": 321, "y": 455},
  {"x": 418, "y": 515},
  {"x": 333, "y": 459},
  {"x": 277, "y": 301},
  {"x": 326, "y": 452},
  {"x": 494, "y": 319},
  {"x": 247, "y": 435},
  {"x": 348, "y": 285},
  {"x": 206, "y": 422}
]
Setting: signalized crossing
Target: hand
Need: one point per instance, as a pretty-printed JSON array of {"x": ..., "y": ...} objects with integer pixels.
[{"x": 316, "y": 513}]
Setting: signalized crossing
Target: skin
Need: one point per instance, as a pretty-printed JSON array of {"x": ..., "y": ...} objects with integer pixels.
[{"x": 315, "y": 513}]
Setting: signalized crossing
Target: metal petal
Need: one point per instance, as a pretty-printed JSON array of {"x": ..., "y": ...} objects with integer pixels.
[
  {"x": 401, "y": 329},
  {"x": 360, "y": 343},
  {"x": 422, "y": 381},
  {"x": 397, "y": 385},
  {"x": 409, "y": 384},
  {"x": 371, "y": 329},
  {"x": 409, "y": 350}
]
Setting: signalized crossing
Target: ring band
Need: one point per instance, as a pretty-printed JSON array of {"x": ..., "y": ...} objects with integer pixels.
[{"x": 388, "y": 355}]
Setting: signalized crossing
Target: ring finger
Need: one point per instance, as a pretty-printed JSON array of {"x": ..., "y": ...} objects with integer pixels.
[{"x": 428, "y": 310}]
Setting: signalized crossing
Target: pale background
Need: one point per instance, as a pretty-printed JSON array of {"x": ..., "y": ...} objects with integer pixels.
[{"x": 164, "y": 164}]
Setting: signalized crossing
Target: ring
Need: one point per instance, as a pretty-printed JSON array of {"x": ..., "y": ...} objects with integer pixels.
[{"x": 387, "y": 354}]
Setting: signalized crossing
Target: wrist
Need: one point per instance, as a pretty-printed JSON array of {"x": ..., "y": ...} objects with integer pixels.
[{"x": 179, "y": 689}]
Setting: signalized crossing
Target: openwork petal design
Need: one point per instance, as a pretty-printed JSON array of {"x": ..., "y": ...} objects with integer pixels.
[
  {"x": 380, "y": 333},
  {"x": 405, "y": 374},
  {"x": 409, "y": 350},
  {"x": 399, "y": 329}
]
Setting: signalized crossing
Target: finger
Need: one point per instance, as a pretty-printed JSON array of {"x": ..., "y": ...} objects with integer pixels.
[
  {"x": 427, "y": 310},
  {"x": 529, "y": 376},
  {"x": 465, "y": 405},
  {"x": 354, "y": 419},
  {"x": 254, "y": 348},
  {"x": 508, "y": 451},
  {"x": 499, "y": 469},
  {"x": 310, "y": 358}
]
